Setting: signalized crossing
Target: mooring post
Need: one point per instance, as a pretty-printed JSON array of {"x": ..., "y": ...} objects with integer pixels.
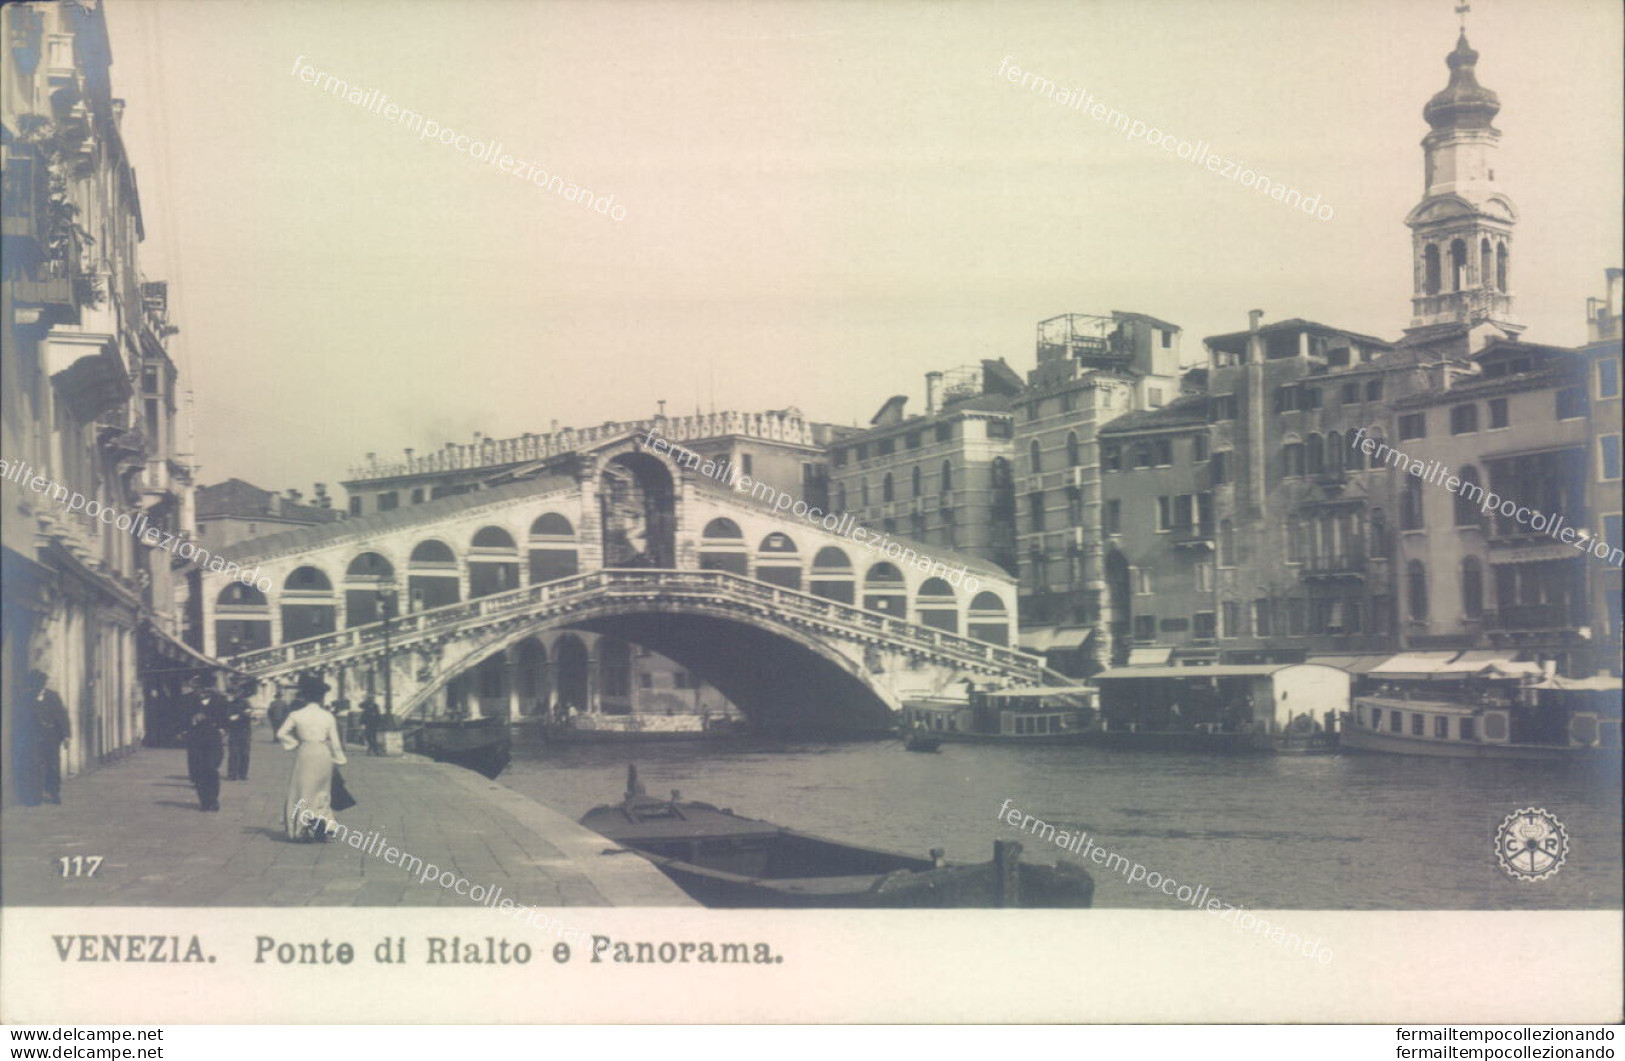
[{"x": 1006, "y": 880}]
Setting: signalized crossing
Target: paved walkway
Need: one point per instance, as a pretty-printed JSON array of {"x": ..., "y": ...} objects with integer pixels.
[{"x": 141, "y": 817}]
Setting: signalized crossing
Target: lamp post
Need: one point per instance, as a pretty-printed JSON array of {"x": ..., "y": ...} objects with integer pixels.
[{"x": 386, "y": 602}]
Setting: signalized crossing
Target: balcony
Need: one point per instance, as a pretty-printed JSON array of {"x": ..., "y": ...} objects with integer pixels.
[
  {"x": 1191, "y": 537},
  {"x": 1342, "y": 565},
  {"x": 1529, "y": 618}
]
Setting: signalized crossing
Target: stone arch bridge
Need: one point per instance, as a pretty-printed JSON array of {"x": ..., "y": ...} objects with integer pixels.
[{"x": 528, "y": 595}]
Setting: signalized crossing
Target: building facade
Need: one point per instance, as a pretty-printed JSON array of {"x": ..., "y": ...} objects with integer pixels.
[
  {"x": 234, "y": 510},
  {"x": 93, "y": 479}
]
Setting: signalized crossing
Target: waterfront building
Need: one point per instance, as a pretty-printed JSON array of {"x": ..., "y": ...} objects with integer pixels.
[
  {"x": 942, "y": 478},
  {"x": 89, "y": 399},
  {"x": 779, "y": 447},
  {"x": 1602, "y": 352},
  {"x": 234, "y": 510},
  {"x": 1091, "y": 369}
]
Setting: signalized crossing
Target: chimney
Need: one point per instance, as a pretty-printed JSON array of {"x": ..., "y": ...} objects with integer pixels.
[
  {"x": 933, "y": 393},
  {"x": 408, "y": 454},
  {"x": 479, "y": 437},
  {"x": 294, "y": 495},
  {"x": 554, "y": 429},
  {"x": 372, "y": 458}
]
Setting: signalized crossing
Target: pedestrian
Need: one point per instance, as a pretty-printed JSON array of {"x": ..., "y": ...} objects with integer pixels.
[
  {"x": 45, "y": 729},
  {"x": 239, "y": 730},
  {"x": 204, "y": 750},
  {"x": 276, "y": 712},
  {"x": 371, "y": 719},
  {"x": 310, "y": 731}
]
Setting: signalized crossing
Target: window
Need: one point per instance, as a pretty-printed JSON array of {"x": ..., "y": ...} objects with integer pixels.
[
  {"x": 1498, "y": 413},
  {"x": 1418, "y": 721},
  {"x": 1294, "y": 542},
  {"x": 1286, "y": 399},
  {"x": 1035, "y": 456},
  {"x": 355, "y": 506},
  {"x": 1315, "y": 455},
  {"x": 1396, "y": 721},
  {"x": 1035, "y": 509},
  {"x": 1204, "y": 626},
  {"x": 1032, "y": 410},
  {"x": 945, "y": 431},
  {"x": 1140, "y": 577},
  {"x": 1154, "y": 397},
  {"x": 884, "y": 448},
  {"x": 1441, "y": 727},
  {"x": 1472, "y": 588},
  {"x": 1467, "y": 729},
  {"x": 417, "y": 495},
  {"x": 916, "y": 480},
  {"x": 1184, "y": 510},
  {"x": 1469, "y": 512},
  {"x": 1074, "y": 507},
  {"x": 1145, "y": 627},
  {"x": 1292, "y": 458},
  {"x": 1223, "y": 406},
  {"x": 1261, "y": 617},
  {"x": 1413, "y": 425},
  {"x": 1165, "y": 452},
  {"x": 1410, "y": 504},
  {"x": 1167, "y": 338},
  {"x": 1142, "y": 455},
  {"x": 748, "y": 468},
  {"x": 911, "y": 440},
  {"x": 947, "y": 476},
  {"x": 1227, "y": 544},
  {"x": 1571, "y": 403},
  {"x": 863, "y": 492},
  {"x": 1066, "y": 402},
  {"x": 1350, "y": 394},
  {"x": 389, "y": 502},
  {"x": 1611, "y": 531},
  {"x": 863, "y": 451},
  {"x": 1204, "y": 578},
  {"x": 1353, "y": 455},
  {"x": 1416, "y": 584},
  {"x": 1608, "y": 377},
  {"x": 1234, "y": 624},
  {"x": 1377, "y": 543},
  {"x": 1463, "y": 419},
  {"x": 840, "y": 496},
  {"x": 1165, "y": 513},
  {"x": 1218, "y": 468},
  {"x": 1373, "y": 390},
  {"x": 1199, "y": 447},
  {"x": 995, "y": 429},
  {"x": 1309, "y": 398},
  {"x": 1111, "y": 456},
  {"x": 1111, "y": 517},
  {"x": 839, "y": 457},
  {"x": 1073, "y": 456},
  {"x": 886, "y": 493},
  {"x": 1608, "y": 449}
]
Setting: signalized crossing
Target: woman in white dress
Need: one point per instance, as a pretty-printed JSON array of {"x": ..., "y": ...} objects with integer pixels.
[{"x": 311, "y": 731}]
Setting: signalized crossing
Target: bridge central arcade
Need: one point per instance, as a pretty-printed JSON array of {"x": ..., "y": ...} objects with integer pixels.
[{"x": 491, "y": 613}]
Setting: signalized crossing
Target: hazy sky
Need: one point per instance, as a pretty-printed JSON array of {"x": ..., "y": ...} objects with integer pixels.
[{"x": 823, "y": 200}]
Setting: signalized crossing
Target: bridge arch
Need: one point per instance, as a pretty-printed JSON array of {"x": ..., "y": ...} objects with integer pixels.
[
  {"x": 637, "y": 511},
  {"x": 778, "y": 674},
  {"x": 553, "y": 548},
  {"x": 308, "y": 605},
  {"x": 366, "y": 577},
  {"x": 722, "y": 547},
  {"x": 433, "y": 575},
  {"x": 778, "y": 560},
  {"x": 885, "y": 590},
  {"x": 493, "y": 562},
  {"x": 242, "y": 619},
  {"x": 832, "y": 575}
]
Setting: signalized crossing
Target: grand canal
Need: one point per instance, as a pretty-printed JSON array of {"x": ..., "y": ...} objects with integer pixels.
[{"x": 1347, "y": 832}]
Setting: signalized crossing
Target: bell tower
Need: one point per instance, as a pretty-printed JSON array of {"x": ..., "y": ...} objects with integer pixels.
[{"x": 1461, "y": 231}]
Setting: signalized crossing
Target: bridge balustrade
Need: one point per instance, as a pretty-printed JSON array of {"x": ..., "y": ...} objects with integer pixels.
[{"x": 614, "y": 582}]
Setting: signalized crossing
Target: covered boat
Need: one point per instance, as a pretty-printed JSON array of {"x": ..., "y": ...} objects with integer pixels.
[
  {"x": 481, "y": 744},
  {"x": 725, "y": 860},
  {"x": 1038, "y": 714}
]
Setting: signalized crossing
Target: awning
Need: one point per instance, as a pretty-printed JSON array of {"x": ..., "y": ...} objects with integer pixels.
[
  {"x": 1041, "y": 690},
  {"x": 1412, "y": 665},
  {"x": 1481, "y": 660},
  {"x": 1036, "y": 638},
  {"x": 1597, "y": 683},
  {"x": 1069, "y": 639},
  {"x": 173, "y": 648},
  {"x": 1228, "y": 670},
  {"x": 1149, "y": 657},
  {"x": 1352, "y": 664}
]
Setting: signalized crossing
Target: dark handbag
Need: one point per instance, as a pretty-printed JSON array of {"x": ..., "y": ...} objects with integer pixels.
[{"x": 342, "y": 800}]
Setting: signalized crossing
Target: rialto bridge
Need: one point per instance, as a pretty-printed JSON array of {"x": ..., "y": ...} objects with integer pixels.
[{"x": 533, "y": 595}]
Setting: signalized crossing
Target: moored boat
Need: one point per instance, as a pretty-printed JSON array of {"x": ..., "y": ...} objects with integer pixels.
[
  {"x": 480, "y": 744},
  {"x": 1052, "y": 714},
  {"x": 725, "y": 860}
]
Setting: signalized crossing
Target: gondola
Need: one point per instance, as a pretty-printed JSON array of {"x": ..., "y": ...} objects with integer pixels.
[
  {"x": 482, "y": 744},
  {"x": 725, "y": 860}
]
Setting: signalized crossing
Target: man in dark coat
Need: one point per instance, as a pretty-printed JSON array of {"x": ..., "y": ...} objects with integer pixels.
[
  {"x": 239, "y": 731},
  {"x": 277, "y": 712},
  {"x": 204, "y": 750},
  {"x": 47, "y": 724},
  {"x": 371, "y": 719}
]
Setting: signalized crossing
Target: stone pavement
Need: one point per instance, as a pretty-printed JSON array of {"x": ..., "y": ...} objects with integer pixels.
[{"x": 141, "y": 817}]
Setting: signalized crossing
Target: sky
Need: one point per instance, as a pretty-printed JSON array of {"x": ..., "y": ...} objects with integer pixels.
[{"x": 823, "y": 200}]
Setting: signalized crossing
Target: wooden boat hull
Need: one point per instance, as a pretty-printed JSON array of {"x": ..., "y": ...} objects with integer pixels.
[{"x": 483, "y": 745}]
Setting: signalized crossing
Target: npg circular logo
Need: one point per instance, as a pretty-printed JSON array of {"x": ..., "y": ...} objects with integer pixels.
[{"x": 1531, "y": 844}]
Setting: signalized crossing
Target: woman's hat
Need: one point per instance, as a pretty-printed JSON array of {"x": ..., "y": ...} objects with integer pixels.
[{"x": 312, "y": 688}]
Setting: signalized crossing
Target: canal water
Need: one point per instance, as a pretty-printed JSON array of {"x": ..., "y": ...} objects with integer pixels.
[{"x": 1345, "y": 832}]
